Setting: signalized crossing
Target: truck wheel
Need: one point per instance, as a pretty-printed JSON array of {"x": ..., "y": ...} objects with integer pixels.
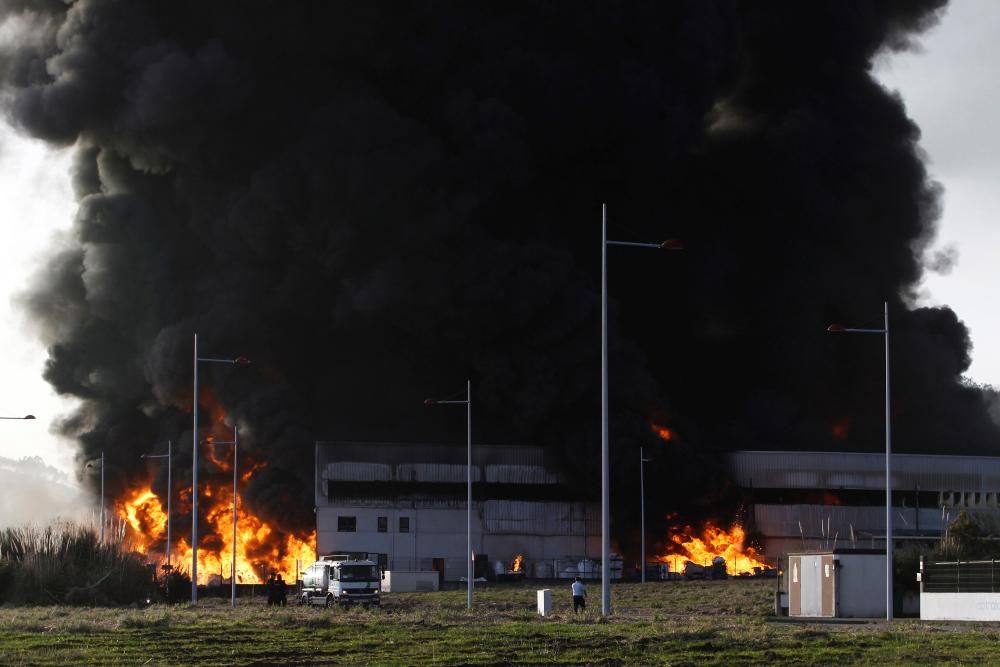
[
  {"x": 329, "y": 600},
  {"x": 304, "y": 599}
]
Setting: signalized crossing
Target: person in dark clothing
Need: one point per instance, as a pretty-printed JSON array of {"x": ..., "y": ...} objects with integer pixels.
[
  {"x": 281, "y": 591},
  {"x": 272, "y": 589}
]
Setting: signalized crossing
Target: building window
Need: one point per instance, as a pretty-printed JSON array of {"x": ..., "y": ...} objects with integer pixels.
[
  {"x": 383, "y": 524},
  {"x": 404, "y": 524},
  {"x": 347, "y": 524}
]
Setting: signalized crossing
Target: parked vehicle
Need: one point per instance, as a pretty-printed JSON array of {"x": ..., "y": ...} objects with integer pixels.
[{"x": 346, "y": 581}]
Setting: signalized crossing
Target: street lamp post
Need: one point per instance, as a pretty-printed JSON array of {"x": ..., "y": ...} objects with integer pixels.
[
  {"x": 20, "y": 418},
  {"x": 194, "y": 464},
  {"x": 170, "y": 487},
  {"x": 884, "y": 331},
  {"x": 91, "y": 465},
  {"x": 103, "y": 518},
  {"x": 102, "y": 497},
  {"x": 468, "y": 501},
  {"x": 235, "y": 443},
  {"x": 605, "y": 465},
  {"x": 642, "y": 494},
  {"x": 169, "y": 566}
]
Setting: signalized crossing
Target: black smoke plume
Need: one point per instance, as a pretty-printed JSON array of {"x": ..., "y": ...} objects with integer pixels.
[{"x": 377, "y": 200}]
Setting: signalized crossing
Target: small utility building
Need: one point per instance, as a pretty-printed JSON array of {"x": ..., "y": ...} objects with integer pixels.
[
  {"x": 406, "y": 503},
  {"x": 836, "y": 584}
]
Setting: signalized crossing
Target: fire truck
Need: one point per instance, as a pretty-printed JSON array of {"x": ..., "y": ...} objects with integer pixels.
[{"x": 341, "y": 580}]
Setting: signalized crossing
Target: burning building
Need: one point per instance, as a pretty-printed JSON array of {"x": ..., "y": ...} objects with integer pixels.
[
  {"x": 231, "y": 534},
  {"x": 826, "y": 500},
  {"x": 407, "y": 504},
  {"x": 276, "y": 177}
]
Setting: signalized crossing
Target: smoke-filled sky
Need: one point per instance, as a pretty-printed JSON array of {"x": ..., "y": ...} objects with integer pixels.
[{"x": 377, "y": 201}]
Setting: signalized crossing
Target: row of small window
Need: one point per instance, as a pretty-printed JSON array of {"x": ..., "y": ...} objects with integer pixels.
[{"x": 349, "y": 524}]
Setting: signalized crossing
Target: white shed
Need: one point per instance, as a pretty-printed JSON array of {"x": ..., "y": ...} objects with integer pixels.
[{"x": 840, "y": 583}]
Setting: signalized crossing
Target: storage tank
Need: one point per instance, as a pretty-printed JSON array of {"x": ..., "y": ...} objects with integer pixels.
[
  {"x": 587, "y": 568},
  {"x": 543, "y": 570}
]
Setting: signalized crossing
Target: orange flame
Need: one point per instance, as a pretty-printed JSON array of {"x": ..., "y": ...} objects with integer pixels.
[
  {"x": 260, "y": 548},
  {"x": 666, "y": 434},
  {"x": 517, "y": 564},
  {"x": 144, "y": 515},
  {"x": 713, "y": 541}
]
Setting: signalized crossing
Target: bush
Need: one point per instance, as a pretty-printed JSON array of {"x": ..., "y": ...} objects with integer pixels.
[
  {"x": 7, "y": 570},
  {"x": 179, "y": 588},
  {"x": 964, "y": 540},
  {"x": 68, "y": 563}
]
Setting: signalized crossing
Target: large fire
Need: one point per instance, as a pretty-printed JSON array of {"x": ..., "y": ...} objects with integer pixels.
[
  {"x": 702, "y": 548},
  {"x": 260, "y": 549}
]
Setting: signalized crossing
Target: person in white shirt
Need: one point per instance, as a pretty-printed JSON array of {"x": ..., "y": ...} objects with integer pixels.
[{"x": 579, "y": 596}]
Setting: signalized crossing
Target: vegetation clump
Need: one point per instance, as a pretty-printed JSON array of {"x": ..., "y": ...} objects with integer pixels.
[{"x": 69, "y": 564}]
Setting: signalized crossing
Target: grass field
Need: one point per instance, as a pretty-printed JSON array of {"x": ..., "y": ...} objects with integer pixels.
[{"x": 668, "y": 623}]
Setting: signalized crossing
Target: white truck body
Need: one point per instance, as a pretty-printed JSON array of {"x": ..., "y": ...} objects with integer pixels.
[{"x": 347, "y": 581}]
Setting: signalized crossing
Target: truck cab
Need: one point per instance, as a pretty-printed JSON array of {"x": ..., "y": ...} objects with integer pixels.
[{"x": 342, "y": 580}]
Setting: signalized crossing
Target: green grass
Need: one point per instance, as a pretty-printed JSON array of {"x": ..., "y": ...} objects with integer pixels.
[{"x": 675, "y": 623}]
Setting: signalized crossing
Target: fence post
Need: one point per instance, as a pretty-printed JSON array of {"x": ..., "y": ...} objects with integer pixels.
[{"x": 958, "y": 576}]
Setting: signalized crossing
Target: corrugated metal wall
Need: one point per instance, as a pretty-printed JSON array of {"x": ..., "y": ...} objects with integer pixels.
[
  {"x": 826, "y": 470},
  {"x": 519, "y": 474},
  {"x": 435, "y": 472},
  {"x": 837, "y": 521},
  {"x": 539, "y": 518},
  {"x": 356, "y": 471},
  {"x": 352, "y": 471}
]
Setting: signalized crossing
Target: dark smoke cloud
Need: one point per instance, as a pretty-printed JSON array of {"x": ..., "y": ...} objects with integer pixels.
[{"x": 374, "y": 201}]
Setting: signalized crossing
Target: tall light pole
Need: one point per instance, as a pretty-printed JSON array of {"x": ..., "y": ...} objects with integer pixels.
[
  {"x": 91, "y": 465},
  {"x": 103, "y": 518},
  {"x": 468, "y": 500},
  {"x": 605, "y": 465},
  {"x": 194, "y": 464},
  {"x": 170, "y": 488},
  {"x": 235, "y": 443},
  {"x": 884, "y": 331},
  {"x": 642, "y": 504}
]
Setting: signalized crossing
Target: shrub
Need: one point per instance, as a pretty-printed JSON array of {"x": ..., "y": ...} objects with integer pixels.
[
  {"x": 175, "y": 587},
  {"x": 68, "y": 563}
]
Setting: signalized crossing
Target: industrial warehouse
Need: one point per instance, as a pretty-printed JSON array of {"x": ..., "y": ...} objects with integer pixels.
[
  {"x": 828, "y": 500},
  {"x": 406, "y": 505}
]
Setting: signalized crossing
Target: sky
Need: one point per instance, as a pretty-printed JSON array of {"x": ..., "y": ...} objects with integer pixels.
[
  {"x": 948, "y": 87},
  {"x": 950, "y": 91},
  {"x": 36, "y": 203}
]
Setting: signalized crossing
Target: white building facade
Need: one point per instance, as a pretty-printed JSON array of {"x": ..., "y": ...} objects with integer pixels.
[{"x": 406, "y": 505}]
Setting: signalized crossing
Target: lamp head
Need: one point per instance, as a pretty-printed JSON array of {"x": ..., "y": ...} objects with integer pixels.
[
  {"x": 835, "y": 328},
  {"x": 429, "y": 401},
  {"x": 242, "y": 361},
  {"x": 672, "y": 244}
]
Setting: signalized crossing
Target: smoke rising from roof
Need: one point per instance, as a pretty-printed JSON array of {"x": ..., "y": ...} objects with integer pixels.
[{"x": 374, "y": 201}]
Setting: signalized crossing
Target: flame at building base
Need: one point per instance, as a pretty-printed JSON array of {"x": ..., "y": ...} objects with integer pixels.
[
  {"x": 518, "y": 564},
  {"x": 260, "y": 549},
  {"x": 702, "y": 547}
]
